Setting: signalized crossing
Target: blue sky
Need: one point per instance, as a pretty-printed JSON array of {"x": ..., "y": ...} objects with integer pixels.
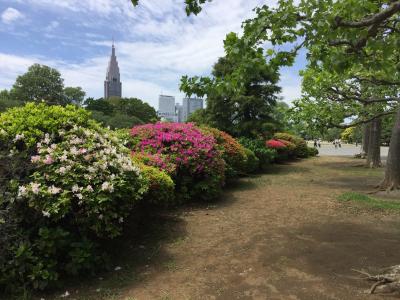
[{"x": 156, "y": 42}]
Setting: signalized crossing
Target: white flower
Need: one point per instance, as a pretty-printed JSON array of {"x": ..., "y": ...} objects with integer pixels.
[
  {"x": 62, "y": 170},
  {"x": 89, "y": 188},
  {"x": 35, "y": 187},
  {"x": 46, "y": 139},
  {"x": 53, "y": 146},
  {"x": 21, "y": 191},
  {"x": 39, "y": 145},
  {"x": 75, "y": 188},
  {"x": 46, "y": 214},
  {"x": 79, "y": 196},
  {"x": 66, "y": 294},
  {"x": 54, "y": 190},
  {"x": 106, "y": 186},
  {"x": 101, "y": 217},
  {"x": 19, "y": 137},
  {"x": 35, "y": 158},
  {"x": 91, "y": 169},
  {"x": 121, "y": 220},
  {"x": 74, "y": 151},
  {"x": 3, "y": 132},
  {"x": 64, "y": 157}
]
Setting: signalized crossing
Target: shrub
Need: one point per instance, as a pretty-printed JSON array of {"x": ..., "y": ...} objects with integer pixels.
[
  {"x": 232, "y": 151},
  {"x": 265, "y": 155},
  {"x": 252, "y": 162},
  {"x": 275, "y": 144},
  {"x": 68, "y": 184},
  {"x": 312, "y": 151},
  {"x": 300, "y": 149},
  {"x": 160, "y": 185},
  {"x": 188, "y": 155}
]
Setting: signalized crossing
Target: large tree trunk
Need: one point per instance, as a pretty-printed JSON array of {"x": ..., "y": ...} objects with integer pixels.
[
  {"x": 392, "y": 173},
  {"x": 365, "y": 139},
  {"x": 374, "y": 145}
]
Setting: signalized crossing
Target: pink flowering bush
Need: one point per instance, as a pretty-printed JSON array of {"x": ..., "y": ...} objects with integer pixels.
[
  {"x": 275, "y": 144},
  {"x": 188, "y": 155}
]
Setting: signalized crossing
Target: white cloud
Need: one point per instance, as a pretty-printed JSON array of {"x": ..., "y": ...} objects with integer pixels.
[
  {"x": 156, "y": 44},
  {"x": 52, "y": 26},
  {"x": 10, "y": 15}
]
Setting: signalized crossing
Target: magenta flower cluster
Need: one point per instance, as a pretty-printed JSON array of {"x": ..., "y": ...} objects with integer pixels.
[{"x": 175, "y": 147}]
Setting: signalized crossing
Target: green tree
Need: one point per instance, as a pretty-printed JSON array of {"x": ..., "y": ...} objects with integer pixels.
[
  {"x": 75, "y": 95},
  {"x": 39, "y": 83},
  {"x": 6, "y": 101},
  {"x": 245, "y": 107},
  {"x": 121, "y": 112}
]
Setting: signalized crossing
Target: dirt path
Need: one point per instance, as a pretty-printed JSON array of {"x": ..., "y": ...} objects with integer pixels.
[{"x": 281, "y": 235}]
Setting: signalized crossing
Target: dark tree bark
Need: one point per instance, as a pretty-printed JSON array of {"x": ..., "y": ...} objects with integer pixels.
[
  {"x": 365, "y": 139},
  {"x": 374, "y": 145},
  {"x": 392, "y": 173}
]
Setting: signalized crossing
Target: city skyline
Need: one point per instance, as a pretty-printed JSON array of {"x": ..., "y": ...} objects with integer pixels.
[{"x": 156, "y": 42}]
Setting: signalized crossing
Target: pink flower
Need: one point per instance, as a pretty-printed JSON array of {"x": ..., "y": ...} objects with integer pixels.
[
  {"x": 49, "y": 160},
  {"x": 35, "y": 158}
]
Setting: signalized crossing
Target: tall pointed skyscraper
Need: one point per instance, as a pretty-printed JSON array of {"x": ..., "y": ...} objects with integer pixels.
[{"x": 112, "y": 84}]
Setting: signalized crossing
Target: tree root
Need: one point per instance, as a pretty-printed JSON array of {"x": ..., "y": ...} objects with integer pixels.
[{"x": 387, "y": 282}]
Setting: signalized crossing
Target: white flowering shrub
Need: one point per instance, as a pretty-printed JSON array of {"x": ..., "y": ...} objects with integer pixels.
[
  {"x": 66, "y": 185},
  {"x": 84, "y": 175}
]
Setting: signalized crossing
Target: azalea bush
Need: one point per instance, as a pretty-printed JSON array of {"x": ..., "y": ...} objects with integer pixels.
[
  {"x": 160, "y": 192},
  {"x": 65, "y": 185},
  {"x": 264, "y": 154},
  {"x": 232, "y": 151},
  {"x": 300, "y": 145},
  {"x": 191, "y": 157}
]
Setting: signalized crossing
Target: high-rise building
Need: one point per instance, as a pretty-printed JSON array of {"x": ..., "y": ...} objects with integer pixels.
[
  {"x": 166, "y": 108},
  {"x": 179, "y": 112},
  {"x": 112, "y": 84},
  {"x": 190, "y": 105}
]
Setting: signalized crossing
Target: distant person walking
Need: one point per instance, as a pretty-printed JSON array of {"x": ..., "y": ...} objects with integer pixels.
[
  {"x": 340, "y": 143},
  {"x": 315, "y": 143},
  {"x": 335, "y": 143},
  {"x": 319, "y": 143}
]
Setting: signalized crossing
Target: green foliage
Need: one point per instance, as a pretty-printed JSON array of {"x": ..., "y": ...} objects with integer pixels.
[
  {"x": 312, "y": 151},
  {"x": 7, "y": 102},
  {"x": 300, "y": 146},
  {"x": 39, "y": 83},
  {"x": 161, "y": 187},
  {"x": 191, "y": 6},
  {"x": 116, "y": 121},
  {"x": 199, "y": 117},
  {"x": 241, "y": 94},
  {"x": 67, "y": 184},
  {"x": 252, "y": 162},
  {"x": 265, "y": 155},
  {"x": 121, "y": 112},
  {"x": 370, "y": 201},
  {"x": 74, "y": 95},
  {"x": 232, "y": 151},
  {"x": 32, "y": 121}
]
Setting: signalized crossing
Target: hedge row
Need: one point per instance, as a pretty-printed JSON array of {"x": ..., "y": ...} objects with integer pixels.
[{"x": 67, "y": 184}]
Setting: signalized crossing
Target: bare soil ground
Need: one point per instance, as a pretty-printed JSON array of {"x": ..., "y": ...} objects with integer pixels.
[{"x": 280, "y": 235}]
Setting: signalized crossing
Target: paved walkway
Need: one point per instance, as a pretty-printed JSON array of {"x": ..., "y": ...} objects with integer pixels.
[{"x": 346, "y": 150}]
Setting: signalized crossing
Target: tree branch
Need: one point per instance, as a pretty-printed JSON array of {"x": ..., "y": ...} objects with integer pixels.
[
  {"x": 371, "y": 20},
  {"x": 380, "y": 115}
]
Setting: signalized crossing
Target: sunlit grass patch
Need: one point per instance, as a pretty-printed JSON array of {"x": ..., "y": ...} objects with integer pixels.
[{"x": 370, "y": 201}]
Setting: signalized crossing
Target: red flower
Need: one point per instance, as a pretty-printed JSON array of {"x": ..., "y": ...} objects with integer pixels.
[{"x": 275, "y": 144}]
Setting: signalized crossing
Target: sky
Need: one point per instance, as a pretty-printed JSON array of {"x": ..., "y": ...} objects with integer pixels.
[{"x": 156, "y": 43}]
